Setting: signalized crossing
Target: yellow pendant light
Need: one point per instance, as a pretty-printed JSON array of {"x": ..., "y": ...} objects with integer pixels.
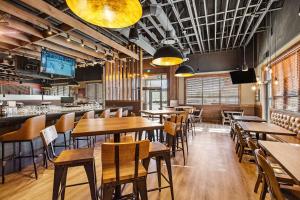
[
  {"x": 167, "y": 56},
  {"x": 107, "y": 13}
]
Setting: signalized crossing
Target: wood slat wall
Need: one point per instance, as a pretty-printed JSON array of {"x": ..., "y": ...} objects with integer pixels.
[{"x": 123, "y": 77}]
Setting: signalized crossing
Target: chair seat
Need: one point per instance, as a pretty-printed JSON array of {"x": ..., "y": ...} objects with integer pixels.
[
  {"x": 75, "y": 156},
  {"x": 280, "y": 174},
  {"x": 290, "y": 192},
  {"x": 123, "y": 138},
  {"x": 126, "y": 172},
  {"x": 12, "y": 136},
  {"x": 157, "y": 147}
]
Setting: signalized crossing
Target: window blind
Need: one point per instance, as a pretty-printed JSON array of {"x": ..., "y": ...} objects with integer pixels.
[
  {"x": 286, "y": 91},
  {"x": 211, "y": 90}
]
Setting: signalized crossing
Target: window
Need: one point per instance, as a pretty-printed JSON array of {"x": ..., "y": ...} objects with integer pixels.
[
  {"x": 209, "y": 90},
  {"x": 286, "y": 89}
]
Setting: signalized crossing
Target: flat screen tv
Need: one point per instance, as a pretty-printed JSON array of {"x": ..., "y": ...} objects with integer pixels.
[
  {"x": 64, "y": 100},
  {"x": 240, "y": 77},
  {"x": 54, "y": 63}
]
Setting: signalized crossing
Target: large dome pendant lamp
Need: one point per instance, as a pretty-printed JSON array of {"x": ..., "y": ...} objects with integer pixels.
[
  {"x": 167, "y": 56},
  {"x": 184, "y": 71},
  {"x": 107, "y": 13}
]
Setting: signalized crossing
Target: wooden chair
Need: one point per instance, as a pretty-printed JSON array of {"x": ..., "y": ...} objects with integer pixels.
[
  {"x": 198, "y": 116},
  {"x": 65, "y": 125},
  {"x": 269, "y": 178},
  {"x": 121, "y": 164},
  {"x": 170, "y": 128},
  {"x": 181, "y": 121},
  {"x": 105, "y": 114},
  {"x": 160, "y": 152},
  {"x": 280, "y": 174},
  {"x": 241, "y": 146},
  {"x": 29, "y": 131},
  {"x": 119, "y": 113},
  {"x": 66, "y": 159},
  {"x": 88, "y": 139}
]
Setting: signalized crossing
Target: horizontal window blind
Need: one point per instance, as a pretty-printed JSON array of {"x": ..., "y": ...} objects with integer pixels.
[
  {"x": 286, "y": 89},
  {"x": 211, "y": 90}
]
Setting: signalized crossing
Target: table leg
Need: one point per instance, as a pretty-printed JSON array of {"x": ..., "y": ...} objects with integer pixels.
[
  {"x": 264, "y": 136},
  {"x": 117, "y": 137},
  {"x": 161, "y": 135},
  {"x": 118, "y": 187}
]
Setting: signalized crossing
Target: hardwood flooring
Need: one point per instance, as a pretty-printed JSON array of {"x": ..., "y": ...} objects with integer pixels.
[{"x": 212, "y": 172}]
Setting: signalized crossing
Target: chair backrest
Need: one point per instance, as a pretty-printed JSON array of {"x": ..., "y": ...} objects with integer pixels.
[
  {"x": 123, "y": 153},
  {"x": 170, "y": 128},
  {"x": 119, "y": 113},
  {"x": 239, "y": 134},
  {"x": 65, "y": 123},
  {"x": 269, "y": 176},
  {"x": 31, "y": 128},
  {"x": 88, "y": 115},
  {"x": 48, "y": 136},
  {"x": 125, "y": 113},
  {"x": 105, "y": 113}
]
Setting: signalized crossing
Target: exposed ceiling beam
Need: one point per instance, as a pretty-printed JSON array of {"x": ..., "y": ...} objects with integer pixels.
[
  {"x": 215, "y": 25},
  {"x": 65, "y": 18},
  {"x": 198, "y": 27},
  {"x": 12, "y": 41},
  {"x": 13, "y": 33},
  {"x": 206, "y": 21},
  {"x": 5, "y": 46},
  {"x": 15, "y": 24},
  {"x": 261, "y": 17},
  {"x": 151, "y": 34},
  {"x": 224, "y": 22},
  {"x": 231, "y": 28}
]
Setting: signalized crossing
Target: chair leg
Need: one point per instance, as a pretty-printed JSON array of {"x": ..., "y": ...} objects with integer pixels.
[
  {"x": 107, "y": 192},
  {"x": 187, "y": 144},
  {"x": 3, "y": 165},
  {"x": 90, "y": 172},
  {"x": 263, "y": 190},
  {"x": 58, "y": 173},
  {"x": 182, "y": 145},
  {"x": 241, "y": 154},
  {"x": 158, "y": 168},
  {"x": 258, "y": 181},
  {"x": 65, "y": 140},
  {"x": 142, "y": 187},
  {"x": 63, "y": 183},
  {"x": 33, "y": 159},
  {"x": 169, "y": 168},
  {"x": 20, "y": 159}
]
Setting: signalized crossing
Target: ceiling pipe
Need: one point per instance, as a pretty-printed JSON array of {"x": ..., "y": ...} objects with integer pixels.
[{"x": 157, "y": 11}]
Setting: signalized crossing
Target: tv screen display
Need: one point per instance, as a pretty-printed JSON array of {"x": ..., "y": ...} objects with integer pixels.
[
  {"x": 53, "y": 63},
  {"x": 240, "y": 77}
]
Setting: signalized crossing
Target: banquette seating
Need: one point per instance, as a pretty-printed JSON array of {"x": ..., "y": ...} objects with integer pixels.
[{"x": 287, "y": 120}]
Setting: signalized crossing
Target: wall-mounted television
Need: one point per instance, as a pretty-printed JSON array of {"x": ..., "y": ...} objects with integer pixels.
[
  {"x": 54, "y": 63},
  {"x": 240, "y": 77}
]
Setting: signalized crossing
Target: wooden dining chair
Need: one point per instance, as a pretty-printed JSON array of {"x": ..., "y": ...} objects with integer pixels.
[
  {"x": 29, "y": 131},
  {"x": 64, "y": 126},
  {"x": 105, "y": 114},
  {"x": 276, "y": 193},
  {"x": 121, "y": 164},
  {"x": 170, "y": 128},
  {"x": 281, "y": 176},
  {"x": 119, "y": 113},
  {"x": 90, "y": 140},
  {"x": 67, "y": 159},
  {"x": 241, "y": 146}
]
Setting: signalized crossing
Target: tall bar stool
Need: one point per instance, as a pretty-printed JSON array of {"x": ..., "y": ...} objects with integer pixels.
[
  {"x": 29, "y": 131},
  {"x": 66, "y": 159},
  {"x": 121, "y": 164},
  {"x": 87, "y": 115},
  {"x": 65, "y": 125}
]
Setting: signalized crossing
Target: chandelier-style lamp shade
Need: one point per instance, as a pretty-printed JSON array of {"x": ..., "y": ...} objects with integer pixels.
[
  {"x": 184, "y": 71},
  {"x": 107, "y": 13},
  {"x": 167, "y": 56}
]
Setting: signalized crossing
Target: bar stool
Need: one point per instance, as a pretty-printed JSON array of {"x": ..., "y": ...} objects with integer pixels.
[
  {"x": 65, "y": 125},
  {"x": 105, "y": 114},
  {"x": 119, "y": 113},
  {"x": 66, "y": 159},
  {"x": 160, "y": 152},
  {"x": 29, "y": 131},
  {"x": 121, "y": 164},
  {"x": 86, "y": 115}
]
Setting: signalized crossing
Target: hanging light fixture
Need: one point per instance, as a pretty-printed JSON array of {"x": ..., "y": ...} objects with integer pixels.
[
  {"x": 133, "y": 34},
  {"x": 107, "y": 13},
  {"x": 184, "y": 71},
  {"x": 167, "y": 56},
  {"x": 244, "y": 66}
]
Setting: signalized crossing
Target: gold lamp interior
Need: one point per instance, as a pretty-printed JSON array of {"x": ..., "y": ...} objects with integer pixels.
[
  {"x": 167, "y": 61},
  {"x": 107, "y": 13}
]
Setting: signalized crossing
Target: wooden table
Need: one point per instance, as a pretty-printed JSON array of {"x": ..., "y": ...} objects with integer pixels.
[
  {"x": 161, "y": 113},
  {"x": 247, "y": 118},
  {"x": 115, "y": 126},
  {"x": 286, "y": 154},
  {"x": 264, "y": 128}
]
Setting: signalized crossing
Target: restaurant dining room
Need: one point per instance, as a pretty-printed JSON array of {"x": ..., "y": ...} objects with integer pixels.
[{"x": 150, "y": 99}]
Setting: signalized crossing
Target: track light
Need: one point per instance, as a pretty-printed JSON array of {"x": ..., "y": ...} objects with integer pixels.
[
  {"x": 96, "y": 49},
  {"x": 68, "y": 38},
  {"x": 82, "y": 43},
  {"x": 276, "y": 82},
  {"x": 9, "y": 55},
  {"x": 49, "y": 31}
]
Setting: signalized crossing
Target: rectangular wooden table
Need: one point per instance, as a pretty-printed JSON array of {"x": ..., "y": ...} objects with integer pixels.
[
  {"x": 115, "y": 126},
  {"x": 161, "y": 113},
  {"x": 286, "y": 154},
  {"x": 248, "y": 118},
  {"x": 264, "y": 128}
]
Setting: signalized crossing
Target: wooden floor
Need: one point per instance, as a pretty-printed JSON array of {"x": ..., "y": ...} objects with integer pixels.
[{"x": 212, "y": 172}]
